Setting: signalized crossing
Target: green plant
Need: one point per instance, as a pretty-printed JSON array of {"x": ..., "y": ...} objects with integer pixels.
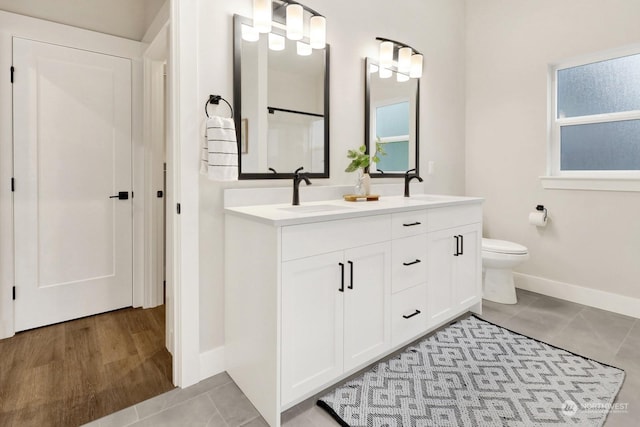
[{"x": 360, "y": 159}]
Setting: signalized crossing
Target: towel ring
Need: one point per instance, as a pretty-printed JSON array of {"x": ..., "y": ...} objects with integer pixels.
[{"x": 215, "y": 99}]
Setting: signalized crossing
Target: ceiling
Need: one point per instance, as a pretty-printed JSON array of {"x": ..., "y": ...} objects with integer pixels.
[{"x": 124, "y": 18}]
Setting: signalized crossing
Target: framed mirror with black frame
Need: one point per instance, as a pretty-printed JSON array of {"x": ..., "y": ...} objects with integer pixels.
[
  {"x": 281, "y": 104},
  {"x": 392, "y": 111}
]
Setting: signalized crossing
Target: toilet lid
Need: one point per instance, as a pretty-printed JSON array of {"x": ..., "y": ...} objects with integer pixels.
[{"x": 503, "y": 247}]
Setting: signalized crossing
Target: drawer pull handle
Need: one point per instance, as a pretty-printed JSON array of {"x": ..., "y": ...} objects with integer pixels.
[
  {"x": 341, "y": 288},
  {"x": 350, "y": 274},
  {"x": 411, "y": 224},
  {"x": 411, "y": 315},
  {"x": 411, "y": 263}
]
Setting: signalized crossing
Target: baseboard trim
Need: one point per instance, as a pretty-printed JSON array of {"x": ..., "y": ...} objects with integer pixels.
[
  {"x": 211, "y": 362},
  {"x": 616, "y": 303}
]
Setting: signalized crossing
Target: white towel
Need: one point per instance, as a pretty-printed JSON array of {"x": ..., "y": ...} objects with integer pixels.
[{"x": 219, "y": 159}]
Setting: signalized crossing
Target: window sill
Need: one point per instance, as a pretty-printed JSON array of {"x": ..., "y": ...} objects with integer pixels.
[{"x": 595, "y": 184}]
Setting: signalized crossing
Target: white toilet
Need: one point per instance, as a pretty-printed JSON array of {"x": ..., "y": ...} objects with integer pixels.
[{"x": 499, "y": 257}]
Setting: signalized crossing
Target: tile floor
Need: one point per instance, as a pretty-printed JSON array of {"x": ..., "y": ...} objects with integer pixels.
[{"x": 604, "y": 336}]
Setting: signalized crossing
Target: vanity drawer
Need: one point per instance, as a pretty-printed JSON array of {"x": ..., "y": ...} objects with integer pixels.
[
  {"x": 409, "y": 262},
  {"x": 453, "y": 216},
  {"x": 300, "y": 241},
  {"x": 404, "y": 224},
  {"x": 408, "y": 311}
]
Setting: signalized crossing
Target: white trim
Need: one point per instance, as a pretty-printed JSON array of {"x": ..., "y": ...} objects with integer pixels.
[
  {"x": 589, "y": 183},
  {"x": 555, "y": 124},
  {"x": 182, "y": 165},
  {"x": 137, "y": 179},
  {"x": 211, "y": 362},
  {"x": 154, "y": 137},
  {"x": 616, "y": 303}
]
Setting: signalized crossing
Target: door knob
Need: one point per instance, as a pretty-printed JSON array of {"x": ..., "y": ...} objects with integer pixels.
[{"x": 122, "y": 195}]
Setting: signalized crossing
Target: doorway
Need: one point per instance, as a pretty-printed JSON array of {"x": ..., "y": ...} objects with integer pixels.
[{"x": 72, "y": 168}]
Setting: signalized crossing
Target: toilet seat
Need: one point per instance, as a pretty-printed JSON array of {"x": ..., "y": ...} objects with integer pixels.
[{"x": 503, "y": 247}]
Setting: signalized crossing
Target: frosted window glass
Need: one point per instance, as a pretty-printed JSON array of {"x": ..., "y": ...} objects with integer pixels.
[
  {"x": 602, "y": 87},
  {"x": 396, "y": 158},
  {"x": 392, "y": 120},
  {"x": 601, "y": 146}
]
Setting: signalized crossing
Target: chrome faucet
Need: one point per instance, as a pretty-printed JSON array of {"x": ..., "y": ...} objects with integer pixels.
[
  {"x": 297, "y": 177},
  {"x": 407, "y": 179}
]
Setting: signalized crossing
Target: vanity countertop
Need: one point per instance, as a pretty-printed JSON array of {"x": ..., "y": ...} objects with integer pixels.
[{"x": 329, "y": 210}]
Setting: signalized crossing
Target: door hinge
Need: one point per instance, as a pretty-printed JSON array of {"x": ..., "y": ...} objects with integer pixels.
[
  {"x": 12, "y": 72},
  {"x": 14, "y": 293},
  {"x": 13, "y": 184},
  {"x": 178, "y": 208}
]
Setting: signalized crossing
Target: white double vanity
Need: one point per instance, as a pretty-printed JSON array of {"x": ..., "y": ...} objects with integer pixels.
[{"x": 318, "y": 291}]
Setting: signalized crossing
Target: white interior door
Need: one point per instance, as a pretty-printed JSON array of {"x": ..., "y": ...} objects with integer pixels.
[{"x": 72, "y": 151}]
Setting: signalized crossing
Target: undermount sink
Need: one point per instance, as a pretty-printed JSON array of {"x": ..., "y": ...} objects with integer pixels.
[
  {"x": 430, "y": 198},
  {"x": 314, "y": 208}
]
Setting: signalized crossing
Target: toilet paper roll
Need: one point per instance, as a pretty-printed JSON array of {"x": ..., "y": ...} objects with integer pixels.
[{"x": 538, "y": 219}]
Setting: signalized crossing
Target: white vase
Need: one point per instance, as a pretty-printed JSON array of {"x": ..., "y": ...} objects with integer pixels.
[
  {"x": 363, "y": 184},
  {"x": 366, "y": 184}
]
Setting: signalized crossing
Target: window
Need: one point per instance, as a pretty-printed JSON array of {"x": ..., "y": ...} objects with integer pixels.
[
  {"x": 595, "y": 118},
  {"x": 392, "y": 130}
]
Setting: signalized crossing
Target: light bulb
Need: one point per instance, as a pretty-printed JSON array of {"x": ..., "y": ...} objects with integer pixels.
[
  {"x": 295, "y": 23},
  {"x": 250, "y": 34},
  {"x": 318, "y": 32},
  {"x": 303, "y": 49},
  {"x": 262, "y": 15},
  {"x": 404, "y": 59},
  {"x": 276, "y": 42},
  {"x": 402, "y": 77},
  {"x": 416, "y": 66},
  {"x": 386, "y": 54}
]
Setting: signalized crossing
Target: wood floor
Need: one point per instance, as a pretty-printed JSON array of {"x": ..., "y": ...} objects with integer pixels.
[{"x": 75, "y": 372}]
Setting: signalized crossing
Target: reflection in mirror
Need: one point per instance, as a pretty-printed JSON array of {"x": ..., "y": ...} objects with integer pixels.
[
  {"x": 391, "y": 118},
  {"x": 282, "y": 96}
]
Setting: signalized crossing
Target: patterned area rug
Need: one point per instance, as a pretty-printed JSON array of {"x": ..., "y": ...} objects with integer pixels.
[{"x": 474, "y": 373}]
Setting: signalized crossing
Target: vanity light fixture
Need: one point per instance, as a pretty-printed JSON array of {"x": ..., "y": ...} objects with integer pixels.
[
  {"x": 409, "y": 61},
  {"x": 318, "y": 31},
  {"x": 262, "y": 15},
  {"x": 291, "y": 14},
  {"x": 295, "y": 22}
]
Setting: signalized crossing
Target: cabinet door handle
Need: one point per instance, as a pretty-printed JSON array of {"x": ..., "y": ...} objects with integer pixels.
[
  {"x": 341, "y": 289},
  {"x": 411, "y": 224},
  {"x": 412, "y": 262},
  {"x": 411, "y": 315},
  {"x": 350, "y": 274},
  {"x": 461, "y": 244},
  {"x": 457, "y": 245}
]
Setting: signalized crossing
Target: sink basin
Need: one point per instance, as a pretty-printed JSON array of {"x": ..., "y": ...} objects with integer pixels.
[
  {"x": 430, "y": 198},
  {"x": 314, "y": 208}
]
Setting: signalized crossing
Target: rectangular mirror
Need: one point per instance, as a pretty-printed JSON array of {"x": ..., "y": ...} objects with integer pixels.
[
  {"x": 392, "y": 107},
  {"x": 281, "y": 100}
]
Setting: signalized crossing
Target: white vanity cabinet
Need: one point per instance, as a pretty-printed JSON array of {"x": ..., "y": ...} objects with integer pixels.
[
  {"x": 335, "y": 315},
  {"x": 454, "y": 278},
  {"x": 336, "y": 307},
  {"x": 311, "y": 298}
]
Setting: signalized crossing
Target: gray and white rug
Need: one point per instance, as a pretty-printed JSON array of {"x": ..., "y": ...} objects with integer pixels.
[{"x": 474, "y": 373}]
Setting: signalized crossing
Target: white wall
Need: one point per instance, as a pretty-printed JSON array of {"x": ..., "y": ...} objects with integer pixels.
[
  {"x": 434, "y": 27},
  {"x": 122, "y": 18},
  {"x": 593, "y": 239}
]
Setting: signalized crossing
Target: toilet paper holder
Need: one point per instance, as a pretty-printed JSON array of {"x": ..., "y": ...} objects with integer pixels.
[{"x": 542, "y": 208}]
